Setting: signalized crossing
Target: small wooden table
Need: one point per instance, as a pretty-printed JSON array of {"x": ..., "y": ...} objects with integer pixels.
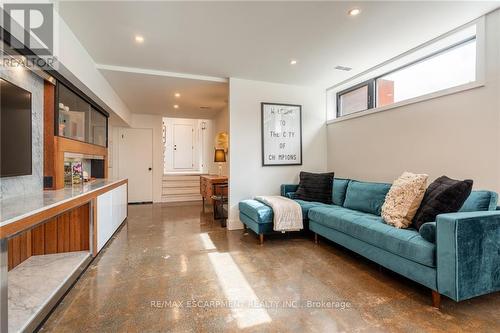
[{"x": 206, "y": 182}]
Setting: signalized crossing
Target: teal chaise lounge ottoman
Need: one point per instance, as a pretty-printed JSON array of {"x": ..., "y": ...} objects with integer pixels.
[{"x": 258, "y": 217}]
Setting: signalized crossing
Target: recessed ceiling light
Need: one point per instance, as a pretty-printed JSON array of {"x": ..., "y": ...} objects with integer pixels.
[
  {"x": 354, "y": 12},
  {"x": 177, "y": 95},
  {"x": 293, "y": 62},
  {"x": 139, "y": 39},
  {"x": 176, "y": 106}
]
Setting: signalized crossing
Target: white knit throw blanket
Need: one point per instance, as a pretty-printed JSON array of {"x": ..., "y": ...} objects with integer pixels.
[{"x": 287, "y": 213}]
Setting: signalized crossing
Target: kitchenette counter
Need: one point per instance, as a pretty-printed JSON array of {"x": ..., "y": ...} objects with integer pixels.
[{"x": 47, "y": 239}]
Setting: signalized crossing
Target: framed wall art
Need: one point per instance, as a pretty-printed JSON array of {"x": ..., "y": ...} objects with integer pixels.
[{"x": 281, "y": 134}]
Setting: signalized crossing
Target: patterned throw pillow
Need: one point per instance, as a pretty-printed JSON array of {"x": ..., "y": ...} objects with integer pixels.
[
  {"x": 403, "y": 199},
  {"x": 315, "y": 187}
]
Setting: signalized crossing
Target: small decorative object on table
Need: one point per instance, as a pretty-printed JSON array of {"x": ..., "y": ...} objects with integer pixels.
[
  {"x": 77, "y": 172},
  {"x": 68, "y": 174}
]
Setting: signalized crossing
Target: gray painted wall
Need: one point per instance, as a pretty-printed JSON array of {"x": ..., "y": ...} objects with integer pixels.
[{"x": 13, "y": 186}]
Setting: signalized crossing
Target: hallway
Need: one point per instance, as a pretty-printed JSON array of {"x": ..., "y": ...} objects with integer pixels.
[{"x": 171, "y": 268}]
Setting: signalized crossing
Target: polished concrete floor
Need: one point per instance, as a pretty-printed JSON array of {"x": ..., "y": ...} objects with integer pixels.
[{"x": 173, "y": 269}]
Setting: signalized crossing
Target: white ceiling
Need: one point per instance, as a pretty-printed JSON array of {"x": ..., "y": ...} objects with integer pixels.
[
  {"x": 154, "y": 94},
  {"x": 252, "y": 40}
]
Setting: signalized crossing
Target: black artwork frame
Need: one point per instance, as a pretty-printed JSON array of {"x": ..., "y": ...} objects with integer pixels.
[{"x": 262, "y": 105}]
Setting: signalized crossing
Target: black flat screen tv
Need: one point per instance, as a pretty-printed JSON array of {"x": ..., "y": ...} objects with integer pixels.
[{"x": 15, "y": 126}]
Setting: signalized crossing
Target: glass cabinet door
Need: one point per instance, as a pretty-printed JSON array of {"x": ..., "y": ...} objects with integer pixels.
[
  {"x": 98, "y": 128},
  {"x": 78, "y": 120}
]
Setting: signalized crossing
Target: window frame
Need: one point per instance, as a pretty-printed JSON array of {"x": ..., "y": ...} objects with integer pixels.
[
  {"x": 372, "y": 83},
  {"x": 371, "y": 98}
]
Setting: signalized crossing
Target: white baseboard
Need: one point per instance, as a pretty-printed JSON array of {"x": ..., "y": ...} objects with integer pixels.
[
  {"x": 181, "y": 198},
  {"x": 234, "y": 225}
]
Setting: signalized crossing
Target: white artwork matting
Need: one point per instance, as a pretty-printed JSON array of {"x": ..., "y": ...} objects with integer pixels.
[{"x": 281, "y": 134}]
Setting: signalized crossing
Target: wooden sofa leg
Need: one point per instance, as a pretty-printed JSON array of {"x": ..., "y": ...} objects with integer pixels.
[
  {"x": 316, "y": 238},
  {"x": 436, "y": 299},
  {"x": 261, "y": 237}
]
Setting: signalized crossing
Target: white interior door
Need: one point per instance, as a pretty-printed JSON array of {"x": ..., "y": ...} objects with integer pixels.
[
  {"x": 135, "y": 162},
  {"x": 183, "y": 146}
]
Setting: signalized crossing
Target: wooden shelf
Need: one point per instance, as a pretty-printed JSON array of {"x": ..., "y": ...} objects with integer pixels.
[{"x": 64, "y": 145}]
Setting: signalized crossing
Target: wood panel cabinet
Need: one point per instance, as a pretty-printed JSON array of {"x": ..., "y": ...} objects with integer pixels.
[{"x": 67, "y": 232}]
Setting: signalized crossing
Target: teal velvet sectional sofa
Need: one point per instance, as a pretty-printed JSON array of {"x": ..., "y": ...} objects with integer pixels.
[{"x": 458, "y": 255}]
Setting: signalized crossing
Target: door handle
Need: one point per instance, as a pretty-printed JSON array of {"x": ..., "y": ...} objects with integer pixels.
[{"x": 149, "y": 169}]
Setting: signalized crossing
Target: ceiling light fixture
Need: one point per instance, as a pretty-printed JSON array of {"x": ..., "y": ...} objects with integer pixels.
[
  {"x": 177, "y": 95},
  {"x": 176, "y": 106},
  {"x": 139, "y": 39},
  {"x": 293, "y": 62},
  {"x": 354, "y": 12}
]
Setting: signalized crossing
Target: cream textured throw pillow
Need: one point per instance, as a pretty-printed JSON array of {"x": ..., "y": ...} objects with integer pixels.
[{"x": 404, "y": 198}]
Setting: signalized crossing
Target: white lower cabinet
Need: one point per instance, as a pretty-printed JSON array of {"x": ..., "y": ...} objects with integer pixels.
[
  {"x": 119, "y": 198},
  {"x": 111, "y": 212}
]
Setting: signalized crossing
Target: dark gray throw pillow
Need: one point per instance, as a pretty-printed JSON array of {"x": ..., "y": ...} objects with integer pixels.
[
  {"x": 444, "y": 195},
  {"x": 315, "y": 187}
]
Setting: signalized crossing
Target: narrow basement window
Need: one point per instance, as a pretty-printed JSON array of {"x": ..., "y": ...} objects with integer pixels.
[{"x": 448, "y": 62}]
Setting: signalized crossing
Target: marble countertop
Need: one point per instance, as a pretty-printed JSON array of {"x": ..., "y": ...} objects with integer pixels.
[
  {"x": 34, "y": 282},
  {"x": 16, "y": 208}
]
